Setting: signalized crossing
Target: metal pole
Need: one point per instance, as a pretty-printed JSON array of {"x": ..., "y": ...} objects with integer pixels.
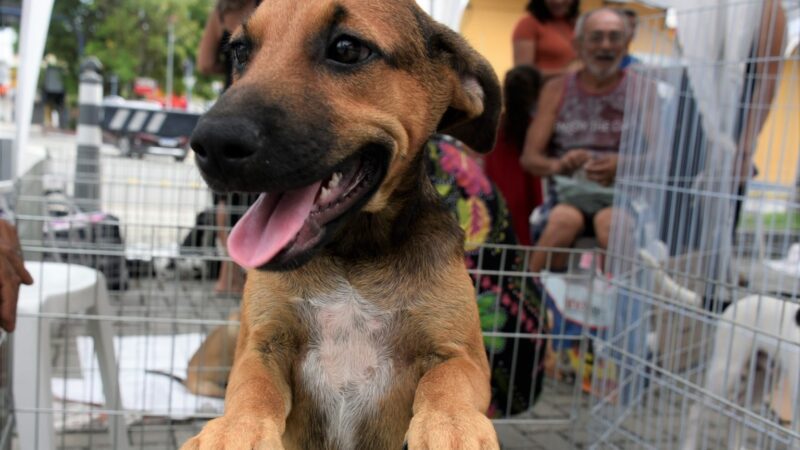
[
  {"x": 113, "y": 84},
  {"x": 6, "y": 159},
  {"x": 170, "y": 58},
  {"x": 33, "y": 33},
  {"x": 188, "y": 81},
  {"x": 87, "y": 162}
]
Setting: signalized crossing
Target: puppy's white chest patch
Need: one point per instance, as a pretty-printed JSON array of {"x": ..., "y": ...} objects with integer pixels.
[{"x": 348, "y": 366}]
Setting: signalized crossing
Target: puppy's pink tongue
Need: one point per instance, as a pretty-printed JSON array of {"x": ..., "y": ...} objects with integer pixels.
[{"x": 271, "y": 223}]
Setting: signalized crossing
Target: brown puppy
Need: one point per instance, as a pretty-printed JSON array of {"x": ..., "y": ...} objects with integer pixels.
[
  {"x": 360, "y": 329},
  {"x": 209, "y": 367}
]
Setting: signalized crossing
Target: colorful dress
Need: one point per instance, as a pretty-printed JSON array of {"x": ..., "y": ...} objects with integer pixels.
[{"x": 507, "y": 301}]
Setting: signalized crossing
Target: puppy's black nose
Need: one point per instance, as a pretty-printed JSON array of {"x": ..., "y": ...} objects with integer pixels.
[
  {"x": 250, "y": 141},
  {"x": 226, "y": 139},
  {"x": 229, "y": 149}
]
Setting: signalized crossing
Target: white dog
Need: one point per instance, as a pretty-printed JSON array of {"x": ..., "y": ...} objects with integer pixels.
[
  {"x": 663, "y": 284},
  {"x": 753, "y": 324}
]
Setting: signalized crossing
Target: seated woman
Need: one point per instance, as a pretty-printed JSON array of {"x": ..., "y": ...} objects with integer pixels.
[{"x": 506, "y": 303}]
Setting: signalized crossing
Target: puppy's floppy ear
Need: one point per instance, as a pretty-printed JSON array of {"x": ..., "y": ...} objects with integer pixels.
[{"x": 476, "y": 98}]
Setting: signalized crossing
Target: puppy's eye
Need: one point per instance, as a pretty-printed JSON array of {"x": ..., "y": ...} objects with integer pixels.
[
  {"x": 348, "y": 50},
  {"x": 240, "y": 52}
]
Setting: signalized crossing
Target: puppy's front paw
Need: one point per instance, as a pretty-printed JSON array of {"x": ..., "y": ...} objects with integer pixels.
[
  {"x": 235, "y": 433},
  {"x": 468, "y": 430}
]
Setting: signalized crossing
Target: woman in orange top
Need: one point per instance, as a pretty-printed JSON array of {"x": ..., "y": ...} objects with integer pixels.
[{"x": 543, "y": 38}]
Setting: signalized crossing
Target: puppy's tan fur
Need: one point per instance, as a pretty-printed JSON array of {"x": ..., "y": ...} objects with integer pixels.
[
  {"x": 210, "y": 365},
  {"x": 393, "y": 280}
]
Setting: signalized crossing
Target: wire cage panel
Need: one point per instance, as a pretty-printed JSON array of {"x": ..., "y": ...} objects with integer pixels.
[
  {"x": 154, "y": 245},
  {"x": 705, "y": 246}
]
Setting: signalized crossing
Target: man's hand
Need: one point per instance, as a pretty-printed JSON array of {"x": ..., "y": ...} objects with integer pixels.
[
  {"x": 572, "y": 161},
  {"x": 12, "y": 274},
  {"x": 602, "y": 170}
]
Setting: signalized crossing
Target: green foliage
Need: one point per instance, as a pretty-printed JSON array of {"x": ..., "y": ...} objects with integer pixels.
[
  {"x": 775, "y": 221},
  {"x": 130, "y": 38}
]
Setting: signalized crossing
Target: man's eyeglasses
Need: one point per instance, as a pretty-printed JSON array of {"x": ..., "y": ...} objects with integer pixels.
[{"x": 614, "y": 37}]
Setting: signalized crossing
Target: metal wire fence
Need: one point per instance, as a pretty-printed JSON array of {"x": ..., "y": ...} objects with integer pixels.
[
  {"x": 128, "y": 297},
  {"x": 102, "y": 358},
  {"x": 709, "y": 175}
]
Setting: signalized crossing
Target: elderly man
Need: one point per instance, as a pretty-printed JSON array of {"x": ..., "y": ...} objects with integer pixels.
[{"x": 575, "y": 136}]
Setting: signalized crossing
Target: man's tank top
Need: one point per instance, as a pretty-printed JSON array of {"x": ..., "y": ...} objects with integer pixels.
[{"x": 588, "y": 120}]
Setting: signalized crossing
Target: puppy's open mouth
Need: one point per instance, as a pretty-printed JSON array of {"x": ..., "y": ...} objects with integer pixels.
[{"x": 281, "y": 226}]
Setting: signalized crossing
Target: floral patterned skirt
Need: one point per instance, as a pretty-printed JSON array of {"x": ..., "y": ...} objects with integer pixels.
[{"x": 508, "y": 303}]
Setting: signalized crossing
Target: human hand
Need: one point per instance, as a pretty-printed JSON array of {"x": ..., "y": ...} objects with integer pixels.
[
  {"x": 602, "y": 170},
  {"x": 572, "y": 161},
  {"x": 12, "y": 274}
]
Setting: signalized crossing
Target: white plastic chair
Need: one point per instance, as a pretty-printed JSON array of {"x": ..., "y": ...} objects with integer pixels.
[{"x": 59, "y": 289}]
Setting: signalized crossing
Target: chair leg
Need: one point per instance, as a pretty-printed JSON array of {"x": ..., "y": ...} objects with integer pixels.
[
  {"x": 103, "y": 337},
  {"x": 33, "y": 397}
]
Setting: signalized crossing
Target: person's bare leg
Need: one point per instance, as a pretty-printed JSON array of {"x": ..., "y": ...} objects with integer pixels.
[
  {"x": 231, "y": 276},
  {"x": 564, "y": 224},
  {"x": 602, "y": 228},
  {"x": 221, "y": 221},
  {"x": 231, "y": 279}
]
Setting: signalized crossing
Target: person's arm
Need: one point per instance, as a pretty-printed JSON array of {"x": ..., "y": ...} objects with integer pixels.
[
  {"x": 222, "y": 221},
  {"x": 524, "y": 52},
  {"x": 534, "y": 157},
  {"x": 523, "y": 41},
  {"x": 208, "y": 61},
  {"x": 768, "y": 52},
  {"x": 12, "y": 274}
]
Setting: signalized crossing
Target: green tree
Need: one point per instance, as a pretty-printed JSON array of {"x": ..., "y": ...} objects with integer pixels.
[{"x": 129, "y": 37}]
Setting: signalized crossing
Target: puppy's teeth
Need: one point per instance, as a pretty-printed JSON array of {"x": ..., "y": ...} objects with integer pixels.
[
  {"x": 324, "y": 194},
  {"x": 335, "y": 179}
]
